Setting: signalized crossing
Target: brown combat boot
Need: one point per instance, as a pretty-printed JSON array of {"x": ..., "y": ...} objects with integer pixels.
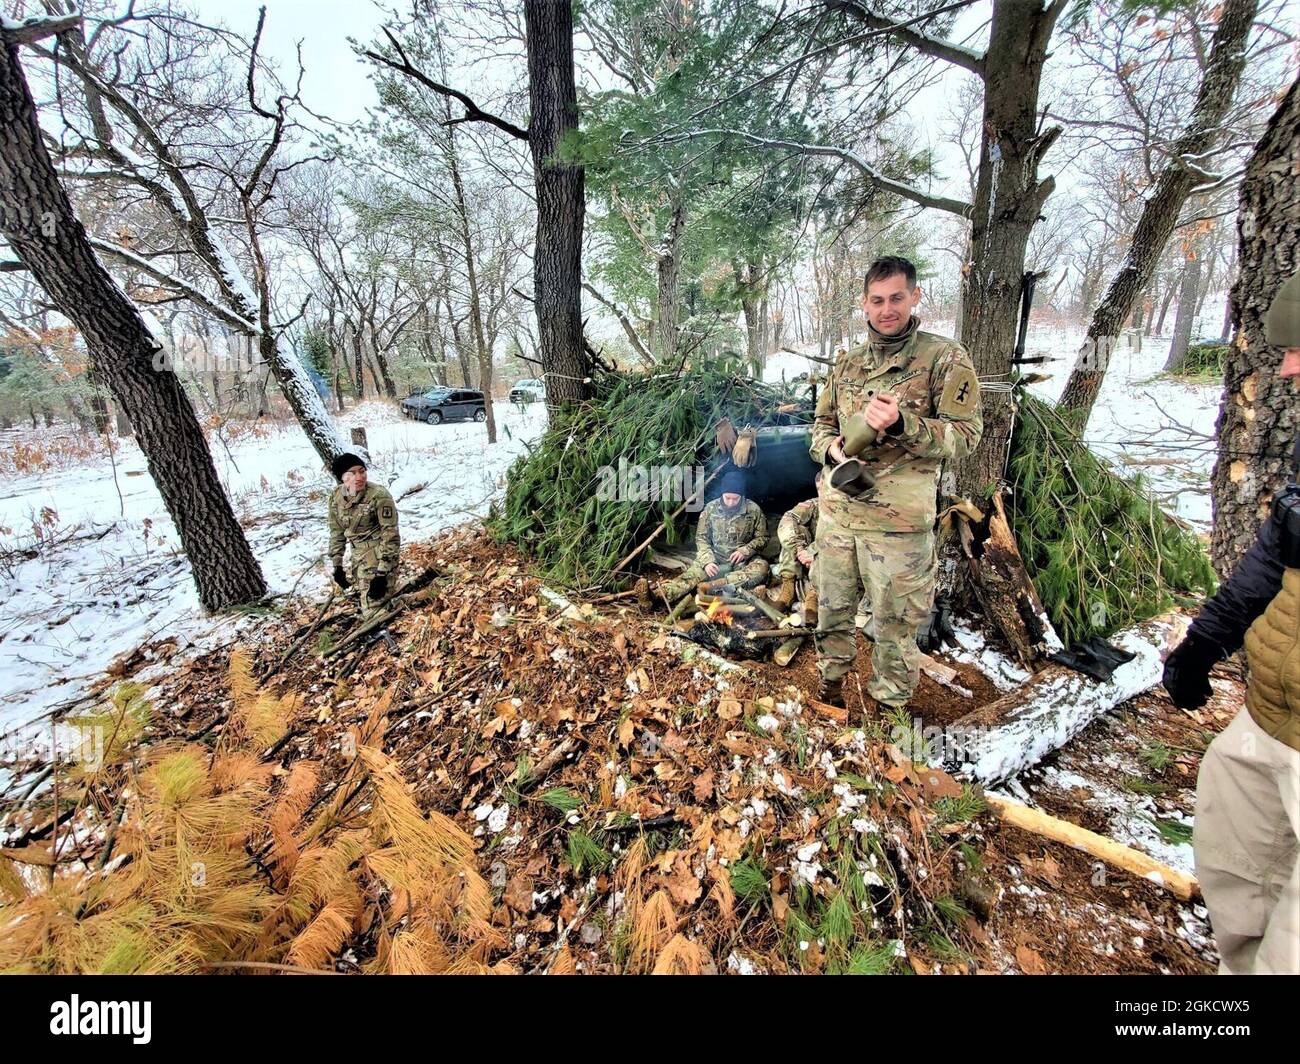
[
  {"x": 831, "y": 692},
  {"x": 712, "y": 587},
  {"x": 783, "y": 597},
  {"x": 810, "y": 607}
]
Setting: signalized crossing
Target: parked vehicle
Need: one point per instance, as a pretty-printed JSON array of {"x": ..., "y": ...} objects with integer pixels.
[
  {"x": 528, "y": 391},
  {"x": 445, "y": 404}
]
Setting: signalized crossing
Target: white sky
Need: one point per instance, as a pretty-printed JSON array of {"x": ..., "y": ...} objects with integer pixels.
[{"x": 335, "y": 83}]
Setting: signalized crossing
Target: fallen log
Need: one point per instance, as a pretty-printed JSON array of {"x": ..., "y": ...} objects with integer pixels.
[
  {"x": 1003, "y": 586},
  {"x": 1005, "y": 737},
  {"x": 1115, "y": 854},
  {"x": 785, "y": 653}
]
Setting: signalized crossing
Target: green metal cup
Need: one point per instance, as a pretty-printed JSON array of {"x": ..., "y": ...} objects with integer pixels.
[
  {"x": 858, "y": 436},
  {"x": 853, "y": 478}
]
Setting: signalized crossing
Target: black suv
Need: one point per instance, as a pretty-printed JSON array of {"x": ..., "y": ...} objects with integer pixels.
[{"x": 445, "y": 404}]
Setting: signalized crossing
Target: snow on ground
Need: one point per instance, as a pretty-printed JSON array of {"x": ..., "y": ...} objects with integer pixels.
[
  {"x": 112, "y": 575},
  {"x": 1143, "y": 422}
]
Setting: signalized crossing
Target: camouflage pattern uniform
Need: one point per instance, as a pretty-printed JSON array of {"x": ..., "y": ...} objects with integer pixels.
[
  {"x": 797, "y": 531},
  {"x": 368, "y": 522},
  {"x": 719, "y": 533},
  {"x": 884, "y": 542}
]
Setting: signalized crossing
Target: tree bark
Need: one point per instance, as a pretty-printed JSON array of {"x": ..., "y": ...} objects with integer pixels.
[
  {"x": 557, "y": 256},
  {"x": 1258, "y": 417},
  {"x": 1160, "y": 213},
  {"x": 1009, "y": 198},
  {"x": 40, "y": 225}
]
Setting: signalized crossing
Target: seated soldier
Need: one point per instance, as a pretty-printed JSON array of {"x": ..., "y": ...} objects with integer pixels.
[
  {"x": 731, "y": 532},
  {"x": 363, "y": 516},
  {"x": 798, "y": 535},
  {"x": 797, "y": 532}
]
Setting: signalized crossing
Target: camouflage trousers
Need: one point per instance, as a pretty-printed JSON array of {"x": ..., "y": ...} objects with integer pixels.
[
  {"x": 897, "y": 571},
  {"x": 364, "y": 568},
  {"x": 751, "y": 574}
]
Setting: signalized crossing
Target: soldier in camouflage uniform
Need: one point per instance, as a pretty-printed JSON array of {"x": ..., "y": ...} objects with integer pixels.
[
  {"x": 731, "y": 531},
  {"x": 920, "y": 393},
  {"x": 796, "y": 532},
  {"x": 364, "y": 516}
]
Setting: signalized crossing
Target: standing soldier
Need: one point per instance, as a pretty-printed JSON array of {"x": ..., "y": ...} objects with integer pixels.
[
  {"x": 731, "y": 531},
  {"x": 1247, "y": 833},
  {"x": 364, "y": 516},
  {"x": 917, "y": 395}
]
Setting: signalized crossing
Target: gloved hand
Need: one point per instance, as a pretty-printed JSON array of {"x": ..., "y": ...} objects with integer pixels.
[
  {"x": 937, "y": 629},
  {"x": 341, "y": 578},
  {"x": 378, "y": 586},
  {"x": 1187, "y": 670}
]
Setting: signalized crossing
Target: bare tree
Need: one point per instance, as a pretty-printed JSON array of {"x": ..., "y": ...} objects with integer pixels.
[
  {"x": 146, "y": 120},
  {"x": 1183, "y": 171},
  {"x": 39, "y": 223}
]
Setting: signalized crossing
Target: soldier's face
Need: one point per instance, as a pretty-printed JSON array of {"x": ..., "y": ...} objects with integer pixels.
[
  {"x": 730, "y": 500},
  {"x": 355, "y": 479},
  {"x": 1291, "y": 365},
  {"x": 889, "y": 303}
]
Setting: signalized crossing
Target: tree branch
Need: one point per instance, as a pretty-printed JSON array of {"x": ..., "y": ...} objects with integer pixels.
[
  {"x": 145, "y": 266},
  {"x": 886, "y": 184},
  {"x": 473, "y": 111},
  {"x": 949, "y": 51},
  {"x": 31, "y": 30}
]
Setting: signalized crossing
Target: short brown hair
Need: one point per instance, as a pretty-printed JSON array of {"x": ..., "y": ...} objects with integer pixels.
[{"x": 887, "y": 266}]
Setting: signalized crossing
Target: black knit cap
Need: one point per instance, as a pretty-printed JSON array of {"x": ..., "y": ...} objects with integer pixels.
[
  {"x": 734, "y": 481},
  {"x": 343, "y": 462}
]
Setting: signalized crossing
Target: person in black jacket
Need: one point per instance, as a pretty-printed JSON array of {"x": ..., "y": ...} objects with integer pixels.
[{"x": 1247, "y": 833}]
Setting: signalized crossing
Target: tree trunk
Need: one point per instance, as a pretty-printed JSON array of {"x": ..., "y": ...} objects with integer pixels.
[
  {"x": 1186, "y": 315},
  {"x": 557, "y": 256},
  {"x": 1258, "y": 417},
  {"x": 39, "y": 224},
  {"x": 1160, "y": 213},
  {"x": 475, "y": 302},
  {"x": 1164, "y": 307},
  {"x": 358, "y": 363},
  {"x": 669, "y": 270},
  {"x": 1009, "y": 199},
  {"x": 381, "y": 360}
]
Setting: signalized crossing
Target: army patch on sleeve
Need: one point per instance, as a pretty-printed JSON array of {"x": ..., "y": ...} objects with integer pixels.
[
  {"x": 386, "y": 512},
  {"x": 961, "y": 393}
]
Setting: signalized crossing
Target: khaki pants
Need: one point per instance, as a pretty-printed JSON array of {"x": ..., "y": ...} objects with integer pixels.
[
  {"x": 897, "y": 571},
  {"x": 1247, "y": 843}
]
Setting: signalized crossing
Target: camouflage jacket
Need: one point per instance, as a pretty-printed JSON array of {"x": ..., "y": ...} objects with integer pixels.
[
  {"x": 367, "y": 522},
  {"x": 798, "y": 527},
  {"x": 938, "y": 398},
  {"x": 722, "y": 531}
]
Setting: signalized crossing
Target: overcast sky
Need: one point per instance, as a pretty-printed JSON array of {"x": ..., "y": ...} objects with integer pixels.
[{"x": 335, "y": 83}]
